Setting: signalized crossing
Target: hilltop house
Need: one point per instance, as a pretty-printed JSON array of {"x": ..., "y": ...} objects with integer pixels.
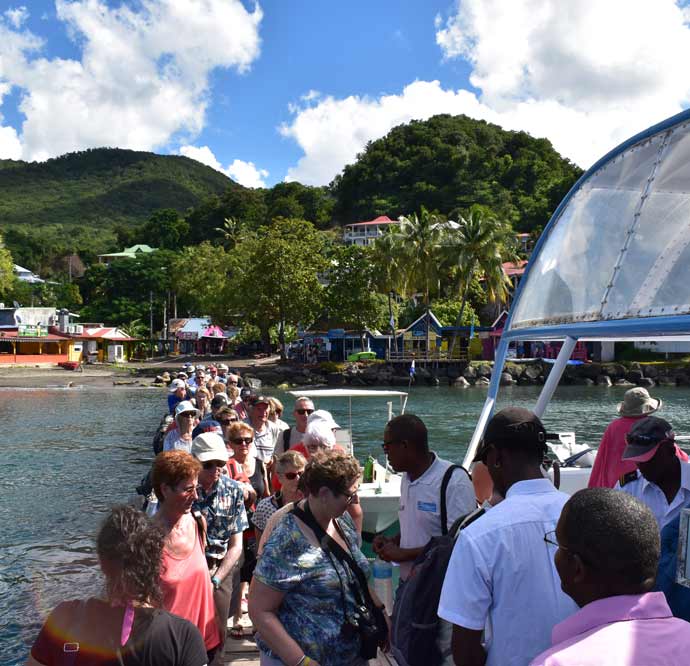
[{"x": 365, "y": 233}]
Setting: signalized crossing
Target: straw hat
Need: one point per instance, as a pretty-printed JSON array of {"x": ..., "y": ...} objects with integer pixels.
[{"x": 638, "y": 402}]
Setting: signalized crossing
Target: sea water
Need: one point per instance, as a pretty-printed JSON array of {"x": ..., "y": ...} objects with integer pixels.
[{"x": 70, "y": 454}]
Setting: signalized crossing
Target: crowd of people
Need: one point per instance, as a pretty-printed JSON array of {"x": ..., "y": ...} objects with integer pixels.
[{"x": 248, "y": 514}]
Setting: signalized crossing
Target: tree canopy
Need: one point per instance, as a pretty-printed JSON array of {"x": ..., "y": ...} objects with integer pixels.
[{"x": 454, "y": 162}]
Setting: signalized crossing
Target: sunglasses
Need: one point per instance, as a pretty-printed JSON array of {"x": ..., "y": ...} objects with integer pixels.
[
  {"x": 188, "y": 415},
  {"x": 242, "y": 440},
  {"x": 228, "y": 421},
  {"x": 232, "y": 383},
  {"x": 293, "y": 475},
  {"x": 304, "y": 411},
  {"x": 349, "y": 496},
  {"x": 211, "y": 464}
]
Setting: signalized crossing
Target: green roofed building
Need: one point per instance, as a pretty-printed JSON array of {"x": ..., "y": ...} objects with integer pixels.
[{"x": 128, "y": 253}]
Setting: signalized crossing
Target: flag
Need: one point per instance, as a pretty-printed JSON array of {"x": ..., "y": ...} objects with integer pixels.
[
  {"x": 412, "y": 368},
  {"x": 472, "y": 329},
  {"x": 392, "y": 322}
]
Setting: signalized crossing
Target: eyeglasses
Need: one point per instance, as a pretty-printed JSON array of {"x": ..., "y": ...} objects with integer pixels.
[
  {"x": 293, "y": 475},
  {"x": 550, "y": 538},
  {"x": 304, "y": 411},
  {"x": 232, "y": 383},
  {"x": 348, "y": 496},
  {"x": 228, "y": 421},
  {"x": 190, "y": 490},
  {"x": 210, "y": 464},
  {"x": 242, "y": 440}
]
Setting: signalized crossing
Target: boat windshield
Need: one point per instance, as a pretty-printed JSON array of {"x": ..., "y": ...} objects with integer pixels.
[{"x": 619, "y": 245}]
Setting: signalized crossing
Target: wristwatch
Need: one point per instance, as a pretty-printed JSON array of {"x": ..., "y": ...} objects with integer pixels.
[{"x": 216, "y": 581}]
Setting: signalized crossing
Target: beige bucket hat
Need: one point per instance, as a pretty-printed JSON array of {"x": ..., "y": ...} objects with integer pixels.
[{"x": 638, "y": 402}]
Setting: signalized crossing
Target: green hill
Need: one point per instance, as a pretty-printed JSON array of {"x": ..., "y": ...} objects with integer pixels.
[
  {"x": 103, "y": 187},
  {"x": 450, "y": 162}
]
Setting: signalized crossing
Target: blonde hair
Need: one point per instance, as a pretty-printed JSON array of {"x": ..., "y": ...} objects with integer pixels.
[
  {"x": 290, "y": 459},
  {"x": 233, "y": 392},
  {"x": 237, "y": 430},
  {"x": 274, "y": 406}
]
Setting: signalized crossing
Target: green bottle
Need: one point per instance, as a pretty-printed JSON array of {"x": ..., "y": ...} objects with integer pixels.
[{"x": 368, "y": 474}]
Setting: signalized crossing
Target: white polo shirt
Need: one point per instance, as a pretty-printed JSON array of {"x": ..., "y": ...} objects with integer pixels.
[
  {"x": 502, "y": 574},
  {"x": 420, "y": 505},
  {"x": 654, "y": 497}
]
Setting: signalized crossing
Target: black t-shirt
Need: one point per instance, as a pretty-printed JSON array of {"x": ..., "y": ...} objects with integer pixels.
[{"x": 92, "y": 629}]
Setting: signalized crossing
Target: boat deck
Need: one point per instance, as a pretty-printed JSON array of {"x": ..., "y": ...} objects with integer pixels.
[{"x": 245, "y": 653}]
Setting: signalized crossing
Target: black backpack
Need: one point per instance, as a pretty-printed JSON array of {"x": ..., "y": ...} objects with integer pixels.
[{"x": 420, "y": 637}]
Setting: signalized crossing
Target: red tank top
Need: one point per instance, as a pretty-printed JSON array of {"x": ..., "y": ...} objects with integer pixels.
[{"x": 188, "y": 592}]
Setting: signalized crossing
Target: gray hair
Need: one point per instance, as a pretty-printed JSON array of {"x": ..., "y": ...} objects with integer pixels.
[{"x": 319, "y": 434}]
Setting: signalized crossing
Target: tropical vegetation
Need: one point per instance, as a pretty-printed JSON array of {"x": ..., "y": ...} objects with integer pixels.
[{"x": 271, "y": 260}]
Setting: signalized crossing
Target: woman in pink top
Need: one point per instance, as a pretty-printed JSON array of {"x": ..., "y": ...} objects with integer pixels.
[
  {"x": 608, "y": 465},
  {"x": 185, "y": 579}
]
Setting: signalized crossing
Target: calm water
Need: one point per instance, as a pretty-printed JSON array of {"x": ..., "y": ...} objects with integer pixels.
[{"x": 68, "y": 455}]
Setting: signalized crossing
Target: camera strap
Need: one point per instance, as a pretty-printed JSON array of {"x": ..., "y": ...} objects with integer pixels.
[{"x": 330, "y": 545}]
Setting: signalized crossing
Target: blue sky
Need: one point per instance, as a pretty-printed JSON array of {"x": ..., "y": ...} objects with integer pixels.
[{"x": 294, "y": 90}]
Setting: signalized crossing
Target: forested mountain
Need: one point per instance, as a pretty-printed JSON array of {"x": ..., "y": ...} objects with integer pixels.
[
  {"x": 103, "y": 187},
  {"x": 453, "y": 162}
]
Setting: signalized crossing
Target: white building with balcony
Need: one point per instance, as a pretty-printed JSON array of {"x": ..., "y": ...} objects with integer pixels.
[{"x": 365, "y": 233}]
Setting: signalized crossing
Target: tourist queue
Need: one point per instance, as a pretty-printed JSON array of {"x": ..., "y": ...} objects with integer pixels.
[{"x": 534, "y": 576}]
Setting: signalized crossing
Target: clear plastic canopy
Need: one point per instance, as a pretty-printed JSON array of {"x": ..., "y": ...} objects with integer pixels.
[{"x": 620, "y": 247}]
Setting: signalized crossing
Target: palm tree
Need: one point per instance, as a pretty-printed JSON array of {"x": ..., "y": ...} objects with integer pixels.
[
  {"x": 418, "y": 241},
  {"x": 231, "y": 231},
  {"x": 478, "y": 247}
]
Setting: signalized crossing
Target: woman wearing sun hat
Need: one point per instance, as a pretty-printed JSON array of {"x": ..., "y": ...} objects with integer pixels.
[{"x": 608, "y": 465}]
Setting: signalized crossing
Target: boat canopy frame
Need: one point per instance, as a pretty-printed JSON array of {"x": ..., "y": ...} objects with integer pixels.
[{"x": 637, "y": 197}]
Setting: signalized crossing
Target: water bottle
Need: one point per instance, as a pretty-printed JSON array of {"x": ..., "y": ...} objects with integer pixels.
[
  {"x": 368, "y": 474},
  {"x": 383, "y": 583}
]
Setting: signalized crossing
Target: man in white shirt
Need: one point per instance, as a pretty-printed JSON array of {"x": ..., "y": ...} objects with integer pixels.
[
  {"x": 661, "y": 480},
  {"x": 405, "y": 442},
  {"x": 265, "y": 432},
  {"x": 501, "y": 576}
]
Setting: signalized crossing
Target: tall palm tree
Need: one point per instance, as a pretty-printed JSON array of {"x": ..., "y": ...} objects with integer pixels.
[
  {"x": 419, "y": 239},
  {"x": 478, "y": 247}
]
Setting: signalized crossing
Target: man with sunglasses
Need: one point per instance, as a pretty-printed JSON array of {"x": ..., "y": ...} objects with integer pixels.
[
  {"x": 221, "y": 502},
  {"x": 292, "y": 436},
  {"x": 661, "y": 480},
  {"x": 501, "y": 573}
]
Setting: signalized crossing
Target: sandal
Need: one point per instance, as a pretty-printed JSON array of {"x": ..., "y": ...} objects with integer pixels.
[
  {"x": 244, "y": 606},
  {"x": 237, "y": 632}
]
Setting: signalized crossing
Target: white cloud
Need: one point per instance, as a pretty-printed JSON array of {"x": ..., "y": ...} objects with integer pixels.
[
  {"x": 17, "y": 16},
  {"x": 585, "y": 74},
  {"x": 245, "y": 173},
  {"x": 142, "y": 77}
]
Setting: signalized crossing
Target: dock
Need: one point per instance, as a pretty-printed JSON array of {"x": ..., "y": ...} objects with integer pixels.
[{"x": 243, "y": 652}]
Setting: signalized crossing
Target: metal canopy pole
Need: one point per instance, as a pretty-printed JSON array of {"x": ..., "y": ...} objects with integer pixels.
[
  {"x": 489, "y": 403},
  {"x": 555, "y": 375}
]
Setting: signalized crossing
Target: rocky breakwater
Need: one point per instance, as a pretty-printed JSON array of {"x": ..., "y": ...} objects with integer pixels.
[{"x": 467, "y": 375}]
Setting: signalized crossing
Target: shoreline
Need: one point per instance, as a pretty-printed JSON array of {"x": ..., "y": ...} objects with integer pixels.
[{"x": 270, "y": 373}]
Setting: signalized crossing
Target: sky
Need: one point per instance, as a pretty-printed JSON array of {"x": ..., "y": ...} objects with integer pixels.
[{"x": 294, "y": 89}]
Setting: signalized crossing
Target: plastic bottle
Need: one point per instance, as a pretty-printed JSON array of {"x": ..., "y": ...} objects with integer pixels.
[
  {"x": 382, "y": 572},
  {"x": 368, "y": 474}
]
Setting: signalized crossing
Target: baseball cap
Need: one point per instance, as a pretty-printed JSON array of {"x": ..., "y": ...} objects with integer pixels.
[
  {"x": 190, "y": 369},
  {"x": 322, "y": 416},
  {"x": 175, "y": 384},
  {"x": 645, "y": 437},
  {"x": 261, "y": 399},
  {"x": 513, "y": 428},
  {"x": 246, "y": 393},
  {"x": 219, "y": 400},
  {"x": 222, "y": 366},
  {"x": 185, "y": 406},
  {"x": 209, "y": 446}
]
